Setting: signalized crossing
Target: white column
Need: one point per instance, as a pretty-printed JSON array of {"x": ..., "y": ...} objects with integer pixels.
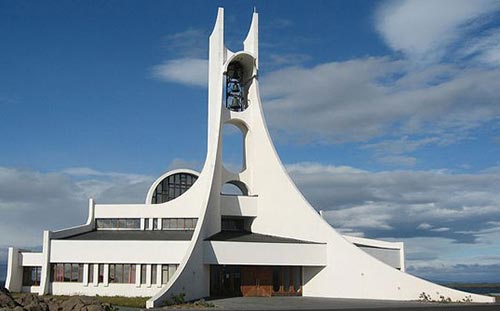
[
  {"x": 96, "y": 274},
  {"x": 106, "y": 275},
  {"x": 138, "y": 275},
  {"x": 85, "y": 274},
  {"x": 158, "y": 275},
  {"x": 148, "y": 275}
]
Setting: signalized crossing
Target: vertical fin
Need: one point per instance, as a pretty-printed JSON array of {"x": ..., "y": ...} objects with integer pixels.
[{"x": 251, "y": 43}]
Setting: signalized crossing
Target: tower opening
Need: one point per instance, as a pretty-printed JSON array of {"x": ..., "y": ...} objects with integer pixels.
[
  {"x": 234, "y": 187},
  {"x": 239, "y": 76},
  {"x": 233, "y": 148}
]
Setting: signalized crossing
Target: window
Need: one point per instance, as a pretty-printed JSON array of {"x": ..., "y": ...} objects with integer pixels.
[
  {"x": 122, "y": 273},
  {"x": 91, "y": 273},
  {"x": 172, "y": 187},
  {"x": 67, "y": 272},
  {"x": 146, "y": 224},
  {"x": 153, "y": 274},
  {"x": 101, "y": 273},
  {"x": 143, "y": 274},
  {"x": 31, "y": 276},
  {"x": 167, "y": 272},
  {"x": 179, "y": 223},
  {"x": 122, "y": 223},
  {"x": 155, "y": 223},
  {"x": 233, "y": 224}
]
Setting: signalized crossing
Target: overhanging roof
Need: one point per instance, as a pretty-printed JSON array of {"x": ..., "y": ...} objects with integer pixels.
[
  {"x": 131, "y": 235},
  {"x": 245, "y": 236}
]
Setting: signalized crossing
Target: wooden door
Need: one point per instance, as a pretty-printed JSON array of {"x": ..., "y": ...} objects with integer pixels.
[{"x": 256, "y": 281}]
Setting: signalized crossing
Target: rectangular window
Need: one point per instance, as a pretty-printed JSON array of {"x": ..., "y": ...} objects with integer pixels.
[
  {"x": 121, "y": 273},
  {"x": 171, "y": 271},
  {"x": 143, "y": 274},
  {"x": 146, "y": 224},
  {"x": 164, "y": 274},
  {"x": 153, "y": 274},
  {"x": 91, "y": 273},
  {"x": 155, "y": 223},
  {"x": 119, "y": 223},
  {"x": 31, "y": 276},
  {"x": 66, "y": 272},
  {"x": 101, "y": 273},
  {"x": 179, "y": 223}
]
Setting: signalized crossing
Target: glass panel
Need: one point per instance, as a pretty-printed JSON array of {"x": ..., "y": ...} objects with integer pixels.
[
  {"x": 297, "y": 278},
  {"x": 153, "y": 274},
  {"x": 122, "y": 223},
  {"x": 172, "y": 187},
  {"x": 286, "y": 279},
  {"x": 132, "y": 274},
  {"x": 126, "y": 274},
  {"x": 27, "y": 276},
  {"x": 91, "y": 273},
  {"x": 146, "y": 223},
  {"x": 118, "y": 274},
  {"x": 112, "y": 274},
  {"x": 80, "y": 273},
  {"x": 171, "y": 271},
  {"x": 164, "y": 274},
  {"x": 60, "y": 272},
  {"x": 188, "y": 223},
  {"x": 113, "y": 223},
  {"x": 143, "y": 274},
  {"x": 276, "y": 279},
  {"x": 67, "y": 272},
  {"x": 165, "y": 224},
  {"x": 101, "y": 273}
]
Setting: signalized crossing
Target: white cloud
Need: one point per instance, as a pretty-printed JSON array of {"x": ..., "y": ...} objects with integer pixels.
[
  {"x": 189, "y": 71},
  {"x": 360, "y": 99},
  {"x": 32, "y": 201},
  {"x": 424, "y": 30},
  {"x": 449, "y": 222}
]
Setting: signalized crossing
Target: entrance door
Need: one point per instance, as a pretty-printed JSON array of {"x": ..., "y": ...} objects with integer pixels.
[
  {"x": 256, "y": 281},
  {"x": 225, "y": 281}
]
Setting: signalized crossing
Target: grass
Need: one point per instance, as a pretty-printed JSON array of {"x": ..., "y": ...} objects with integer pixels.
[{"x": 133, "y": 302}]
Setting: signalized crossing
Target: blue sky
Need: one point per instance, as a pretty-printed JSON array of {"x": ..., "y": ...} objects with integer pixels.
[{"x": 383, "y": 108}]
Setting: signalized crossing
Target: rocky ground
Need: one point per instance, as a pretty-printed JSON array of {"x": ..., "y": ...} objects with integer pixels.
[{"x": 32, "y": 302}]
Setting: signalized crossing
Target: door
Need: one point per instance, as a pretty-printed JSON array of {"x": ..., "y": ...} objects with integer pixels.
[{"x": 256, "y": 281}]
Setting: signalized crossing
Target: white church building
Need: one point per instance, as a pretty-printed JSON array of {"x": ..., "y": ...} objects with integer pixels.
[{"x": 190, "y": 237}]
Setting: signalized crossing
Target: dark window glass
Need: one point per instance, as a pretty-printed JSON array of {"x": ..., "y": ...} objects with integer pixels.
[
  {"x": 143, "y": 274},
  {"x": 286, "y": 279},
  {"x": 172, "y": 187},
  {"x": 232, "y": 224},
  {"x": 122, "y": 223},
  {"x": 67, "y": 272},
  {"x": 101, "y": 273},
  {"x": 31, "y": 276},
  {"x": 91, "y": 273},
  {"x": 153, "y": 274},
  {"x": 276, "y": 279},
  {"x": 297, "y": 278}
]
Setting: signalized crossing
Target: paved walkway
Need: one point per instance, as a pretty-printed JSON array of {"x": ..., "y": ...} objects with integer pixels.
[{"x": 310, "y": 303}]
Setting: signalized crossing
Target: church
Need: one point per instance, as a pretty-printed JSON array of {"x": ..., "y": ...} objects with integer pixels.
[{"x": 194, "y": 237}]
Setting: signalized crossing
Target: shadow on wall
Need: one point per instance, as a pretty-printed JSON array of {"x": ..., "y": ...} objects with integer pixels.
[{"x": 3, "y": 274}]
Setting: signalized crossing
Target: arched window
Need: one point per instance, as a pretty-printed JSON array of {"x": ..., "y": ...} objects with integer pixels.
[
  {"x": 172, "y": 187},
  {"x": 234, "y": 187}
]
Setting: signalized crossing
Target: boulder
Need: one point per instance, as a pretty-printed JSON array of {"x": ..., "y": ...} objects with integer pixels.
[{"x": 6, "y": 300}]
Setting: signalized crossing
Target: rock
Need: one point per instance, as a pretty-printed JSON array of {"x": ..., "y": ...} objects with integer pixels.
[
  {"x": 6, "y": 300},
  {"x": 32, "y": 302}
]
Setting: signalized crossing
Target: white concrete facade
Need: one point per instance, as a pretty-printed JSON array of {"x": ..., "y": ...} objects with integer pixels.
[{"x": 165, "y": 248}]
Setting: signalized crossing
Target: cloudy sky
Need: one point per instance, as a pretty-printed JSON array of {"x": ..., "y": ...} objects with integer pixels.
[{"x": 386, "y": 114}]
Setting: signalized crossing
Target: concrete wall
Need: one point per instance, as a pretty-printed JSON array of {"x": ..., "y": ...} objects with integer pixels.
[{"x": 278, "y": 254}]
